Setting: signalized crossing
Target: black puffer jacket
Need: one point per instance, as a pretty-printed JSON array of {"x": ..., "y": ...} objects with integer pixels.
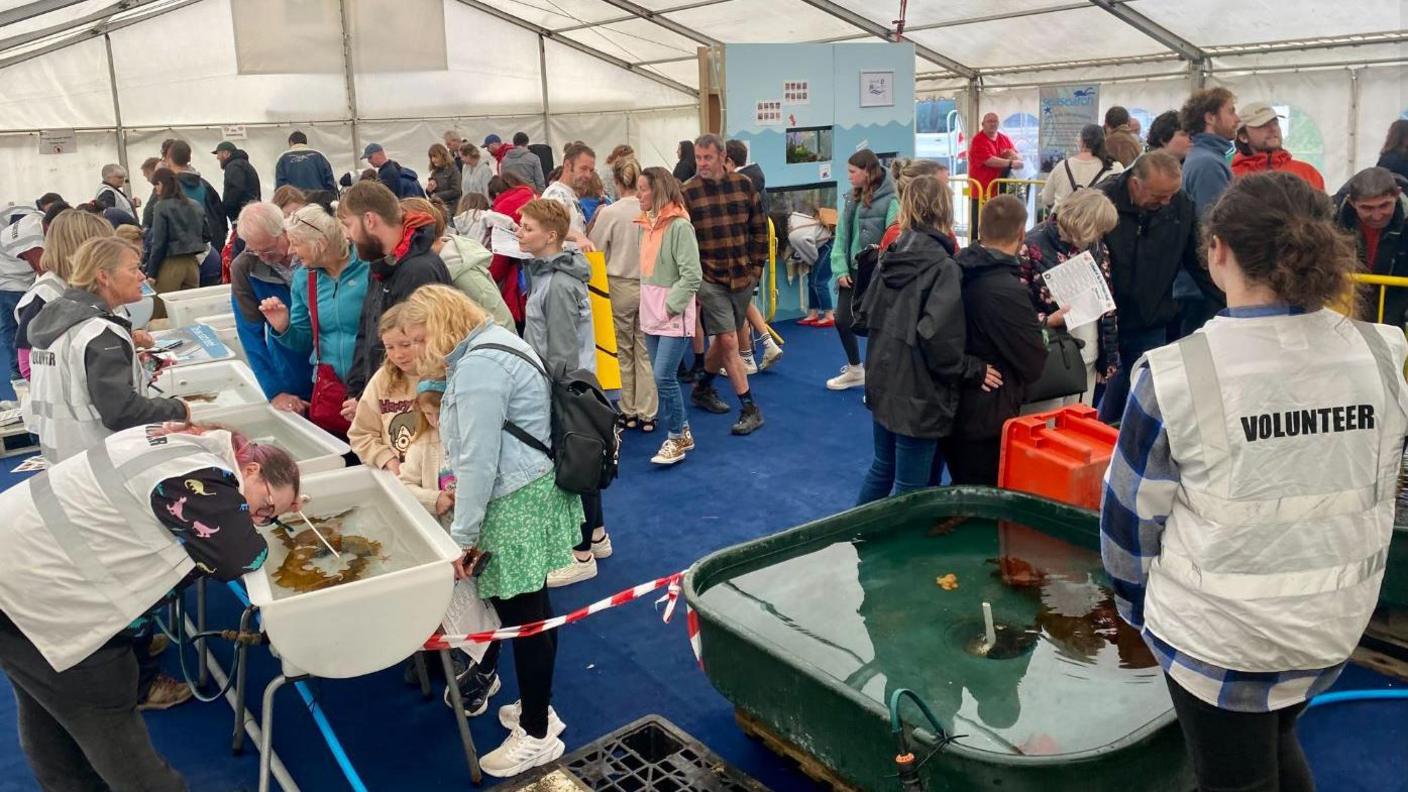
[
  {"x": 1391, "y": 258},
  {"x": 1002, "y": 332},
  {"x": 241, "y": 184},
  {"x": 392, "y": 281},
  {"x": 912, "y": 314},
  {"x": 1147, "y": 251}
]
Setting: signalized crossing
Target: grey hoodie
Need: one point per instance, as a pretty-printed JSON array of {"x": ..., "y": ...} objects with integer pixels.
[
  {"x": 558, "y": 315},
  {"x": 524, "y": 164},
  {"x": 108, "y": 361}
]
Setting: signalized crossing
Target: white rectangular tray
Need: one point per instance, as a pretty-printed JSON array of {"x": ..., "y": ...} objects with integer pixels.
[
  {"x": 364, "y": 626},
  {"x": 233, "y": 380},
  {"x": 313, "y": 448},
  {"x": 186, "y": 306}
]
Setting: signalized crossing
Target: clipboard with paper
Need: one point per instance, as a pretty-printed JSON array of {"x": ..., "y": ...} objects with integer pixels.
[{"x": 1079, "y": 287}]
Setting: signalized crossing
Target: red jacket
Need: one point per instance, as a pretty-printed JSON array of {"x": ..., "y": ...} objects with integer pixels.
[
  {"x": 1281, "y": 160},
  {"x": 503, "y": 269}
]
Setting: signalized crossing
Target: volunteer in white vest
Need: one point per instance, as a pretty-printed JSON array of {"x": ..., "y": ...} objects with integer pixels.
[
  {"x": 87, "y": 380},
  {"x": 90, "y": 546},
  {"x": 112, "y": 193},
  {"x": 1250, "y": 501}
]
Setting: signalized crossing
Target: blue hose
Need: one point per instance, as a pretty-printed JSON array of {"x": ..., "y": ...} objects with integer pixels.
[
  {"x": 1398, "y": 694},
  {"x": 354, "y": 780}
]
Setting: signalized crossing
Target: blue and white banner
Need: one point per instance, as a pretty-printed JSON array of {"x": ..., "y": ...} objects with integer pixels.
[{"x": 1064, "y": 110}]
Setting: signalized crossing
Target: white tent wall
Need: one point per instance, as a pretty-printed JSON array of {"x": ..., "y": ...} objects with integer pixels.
[
  {"x": 655, "y": 134},
  {"x": 29, "y": 174},
  {"x": 1382, "y": 99},
  {"x": 66, "y": 88}
]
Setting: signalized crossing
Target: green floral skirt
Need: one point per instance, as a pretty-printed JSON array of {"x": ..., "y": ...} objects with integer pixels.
[{"x": 529, "y": 532}]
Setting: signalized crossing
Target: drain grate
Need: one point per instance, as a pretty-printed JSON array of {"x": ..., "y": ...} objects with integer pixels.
[{"x": 649, "y": 755}]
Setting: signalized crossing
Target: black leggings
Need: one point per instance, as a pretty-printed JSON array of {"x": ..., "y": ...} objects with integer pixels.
[
  {"x": 592, "y": 519},
  {"x": 533, "y": 656},
  {"x": 844, "y": 320},
  {"x": 1242, "y": 751}
]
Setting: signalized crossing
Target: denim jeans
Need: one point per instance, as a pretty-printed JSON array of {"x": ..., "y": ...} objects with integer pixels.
[
  {"x": 901, "y": 464},
  {"x": 819, "y": 285},
  {"x": 1132, "y": 346},
  {"x": 666, "y": 352},
  {"x": 8, "y": 328}
]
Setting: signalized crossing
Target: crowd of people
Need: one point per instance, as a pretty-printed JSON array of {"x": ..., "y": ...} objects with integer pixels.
[{"x": 393, "y": 311}]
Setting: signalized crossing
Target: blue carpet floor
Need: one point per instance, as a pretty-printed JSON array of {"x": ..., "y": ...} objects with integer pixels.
[{"x": 623, "y": 664}]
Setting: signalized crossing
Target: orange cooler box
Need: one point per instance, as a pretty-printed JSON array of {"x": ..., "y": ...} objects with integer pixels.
[{"x": 1061, "y": 455}]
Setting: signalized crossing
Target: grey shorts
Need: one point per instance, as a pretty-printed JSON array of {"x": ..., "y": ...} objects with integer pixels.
[{"x": 723, "y": 311}]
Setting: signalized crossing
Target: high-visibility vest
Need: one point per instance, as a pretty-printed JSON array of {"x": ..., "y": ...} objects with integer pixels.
[
  {"x": 48, "y": 287},
  {"x": 120, "y": 199},
  {"x": 1288, "y": 435},
  {"x": 81, "y": 553},
  {"x": 60, "y": 411}
]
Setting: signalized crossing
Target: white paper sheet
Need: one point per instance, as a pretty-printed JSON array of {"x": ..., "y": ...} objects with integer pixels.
[
  {"x": 505, "y": 243},
  {"x": 33, "y": 464},
  {"x": 468, "y": 614},
  {"x": 1079, "y": 287}
]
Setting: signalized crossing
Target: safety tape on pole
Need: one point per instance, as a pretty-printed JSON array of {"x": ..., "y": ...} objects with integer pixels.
[{"x": 671, "y": 584}]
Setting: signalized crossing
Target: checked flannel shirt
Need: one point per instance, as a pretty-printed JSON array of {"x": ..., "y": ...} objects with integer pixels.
[{"x": 732, "y": 229}]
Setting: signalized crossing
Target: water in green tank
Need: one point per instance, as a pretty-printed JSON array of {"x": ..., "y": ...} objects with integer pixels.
[{"x": 1067, "y": 674}]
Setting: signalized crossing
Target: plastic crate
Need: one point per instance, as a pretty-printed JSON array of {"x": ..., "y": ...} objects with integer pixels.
[
  {"x": 1061, "y": 455},
  {"x": 649, "y": 755}
]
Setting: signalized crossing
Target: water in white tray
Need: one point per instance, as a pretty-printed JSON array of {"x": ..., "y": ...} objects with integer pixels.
[
  {"x": 373, "y": 541},
  {"x": 223, "y": 398}
]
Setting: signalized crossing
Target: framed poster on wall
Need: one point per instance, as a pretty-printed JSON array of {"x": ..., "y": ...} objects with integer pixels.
[{"x": 877, "y": 88}]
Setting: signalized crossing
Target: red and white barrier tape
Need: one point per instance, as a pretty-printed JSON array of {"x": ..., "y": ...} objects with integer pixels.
[{"x": 671, "y": 583}]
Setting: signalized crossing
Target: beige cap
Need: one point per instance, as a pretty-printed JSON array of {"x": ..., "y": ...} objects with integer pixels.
[{"x": 1256, "y": 114}]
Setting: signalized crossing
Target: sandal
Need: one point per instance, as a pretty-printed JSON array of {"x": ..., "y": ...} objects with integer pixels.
[
  {"x": 647, "y": 425},
  {"x": 631, "y": 422}
]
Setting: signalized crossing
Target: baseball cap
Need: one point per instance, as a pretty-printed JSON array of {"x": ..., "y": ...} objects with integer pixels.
[
  {"x": 225, "y": 145},
  {"x": 490, "y": 140},
  {"x": 371, "y": 149},
  {"x": 1255, "y": 114}
]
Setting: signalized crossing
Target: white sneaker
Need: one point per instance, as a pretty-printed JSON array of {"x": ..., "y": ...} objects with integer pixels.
[
  {"x": 850, "y": 377},
  {"x": 520, "y": 753},
  {"x": 509, "y": 714},
  {"x": 749, "y": 367},
  {"x": 575, "y": 572},
  {"x": 771, "y": 354},
  {"x": 601, "y": 548}
]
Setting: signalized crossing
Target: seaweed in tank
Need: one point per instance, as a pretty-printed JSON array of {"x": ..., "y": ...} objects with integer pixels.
[{"x": 301, "y": 570}]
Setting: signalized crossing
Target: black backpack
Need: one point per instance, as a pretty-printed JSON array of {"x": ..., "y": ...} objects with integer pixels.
[{"x": 586, "y": 442}]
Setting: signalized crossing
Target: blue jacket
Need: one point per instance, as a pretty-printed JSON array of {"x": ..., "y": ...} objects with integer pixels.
[
  {"x": 278, "y": 368},
  {"x": 339, "y": 312},
  {"x": 304, "y": 168},
  {"x": 1206, "y": 172},
  {"x": 484, "y": 389}
]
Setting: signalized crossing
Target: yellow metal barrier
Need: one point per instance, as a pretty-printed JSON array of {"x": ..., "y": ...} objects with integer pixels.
[
  {"x": 1384, "y": 282},
  {"x": 770, "y": 298},
  {"x": 990, "y": 192}
]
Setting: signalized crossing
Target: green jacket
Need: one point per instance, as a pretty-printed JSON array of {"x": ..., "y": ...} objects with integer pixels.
[
  {"x": 862, "y": 226},
  {"x": 667, "y": 293}
]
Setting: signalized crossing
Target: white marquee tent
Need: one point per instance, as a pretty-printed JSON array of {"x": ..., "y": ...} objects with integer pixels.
[{"x": 124, "y": 74}]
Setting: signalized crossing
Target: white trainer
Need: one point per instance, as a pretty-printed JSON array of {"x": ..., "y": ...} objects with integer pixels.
[
  {"x": 601, "y": 548},
  {"x": 671, "y": 452},
  {"x": 575, "y": 572},
  {"x": 771, "y": 354},
  {"x": 749, "y": 367},
  {"x": 520, "y": 753},
  {"x": 850, "y": 377},
  {"x": 509, "y": 715}
]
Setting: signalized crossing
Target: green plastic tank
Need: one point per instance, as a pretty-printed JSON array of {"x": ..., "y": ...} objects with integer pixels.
[{"x": 810, "y": 631}]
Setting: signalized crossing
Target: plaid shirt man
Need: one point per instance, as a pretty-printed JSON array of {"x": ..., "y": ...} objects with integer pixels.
[{"x": 731, "y": 227}]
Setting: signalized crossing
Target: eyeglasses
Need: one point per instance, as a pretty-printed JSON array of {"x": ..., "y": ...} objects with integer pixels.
[{"x": 266, "y": 513}]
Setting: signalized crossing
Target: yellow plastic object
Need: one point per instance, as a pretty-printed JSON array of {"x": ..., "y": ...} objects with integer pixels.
[
  {"x": 1384, "y": 282},
  {"x": 608, "y": 368},
  {"x": 771, "y": 294}
]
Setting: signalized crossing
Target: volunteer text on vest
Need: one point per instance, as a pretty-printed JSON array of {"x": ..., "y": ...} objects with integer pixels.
[{"x": 1317, "y": 420}]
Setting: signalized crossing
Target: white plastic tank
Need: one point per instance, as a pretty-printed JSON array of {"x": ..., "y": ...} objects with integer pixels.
[
  {"x": 312, "y": 448},
  {"x": 188, "y": 305},
  {"x": 210, "y": 386},
  {"x": 377, "y": 621}
]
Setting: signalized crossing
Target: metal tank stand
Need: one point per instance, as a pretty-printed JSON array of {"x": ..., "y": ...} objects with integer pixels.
[
  {"x": 266, "y": 743},
  {"x": 201, "y": 648},
  {"x": 457, "y": 704},
  {"x": 422, "y": 674},
  {"x": 241, "y": 680}
]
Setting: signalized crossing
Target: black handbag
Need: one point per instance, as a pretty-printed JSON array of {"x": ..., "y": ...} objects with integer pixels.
[{"x": 1064, "y": 374}]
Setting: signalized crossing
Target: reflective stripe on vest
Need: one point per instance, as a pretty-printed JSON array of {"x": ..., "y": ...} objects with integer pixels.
[
  {"x": 60, "y": 410},
  {"x": 49, "y": 286}
]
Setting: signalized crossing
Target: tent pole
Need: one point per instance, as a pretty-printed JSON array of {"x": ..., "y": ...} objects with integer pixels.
[
  {"x": 543, "y": 73},
  {"x": 1352, "y": 155},
  {"x": 119, "y": 132},
  {"x": 351, "y": 82}
]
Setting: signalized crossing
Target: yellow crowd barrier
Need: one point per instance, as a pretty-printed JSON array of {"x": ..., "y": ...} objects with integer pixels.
[
  {"x": 608, "y": 367},
  {"x": 1384, "y": 282}
]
